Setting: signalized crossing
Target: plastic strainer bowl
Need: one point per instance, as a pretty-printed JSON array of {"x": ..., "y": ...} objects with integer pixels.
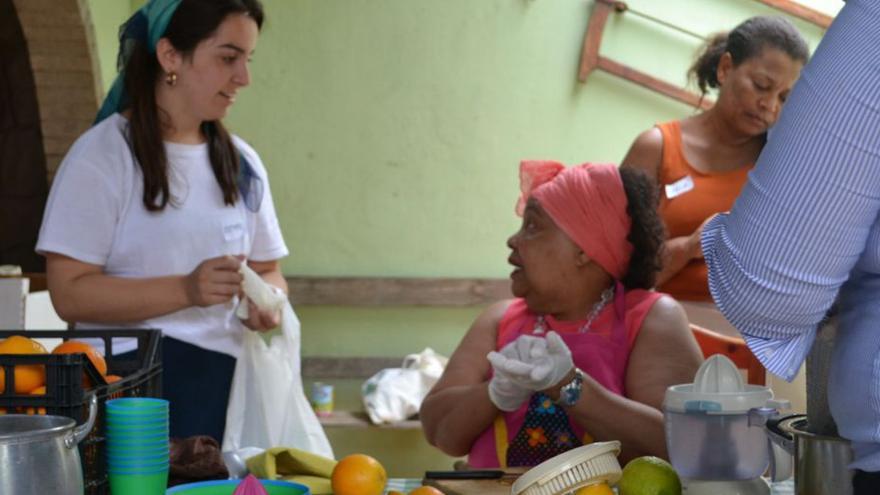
[
  {"x": 226, "y": 487},
  {"x": 583, "y": 466}
]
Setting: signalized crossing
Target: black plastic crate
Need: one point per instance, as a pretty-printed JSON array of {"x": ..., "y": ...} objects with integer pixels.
[{"x": 66, "y": 396}]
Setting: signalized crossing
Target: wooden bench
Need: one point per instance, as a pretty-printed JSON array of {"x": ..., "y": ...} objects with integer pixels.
[{"x": 377, "y": 292}]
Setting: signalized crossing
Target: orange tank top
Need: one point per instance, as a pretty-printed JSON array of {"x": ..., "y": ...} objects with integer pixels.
[{"x": 687, "y": 198}]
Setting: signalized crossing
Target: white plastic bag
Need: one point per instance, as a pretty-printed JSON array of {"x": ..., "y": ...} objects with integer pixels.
[
  {"x": 395, "y": 394},
  {"x": 267, "y": 405}
]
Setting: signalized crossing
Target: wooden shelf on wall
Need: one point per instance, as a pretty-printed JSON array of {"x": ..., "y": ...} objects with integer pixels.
[
  {"x": 359, "y": 419},
  {"x": 800, "y": 11},
  {"x": 346, "y": 367},
  {"x": 381, "y": 291},
  {"x": 592, "y": 60}
]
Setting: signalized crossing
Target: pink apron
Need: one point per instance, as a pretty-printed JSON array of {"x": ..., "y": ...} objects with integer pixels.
[{"x": 539, "y": 429}]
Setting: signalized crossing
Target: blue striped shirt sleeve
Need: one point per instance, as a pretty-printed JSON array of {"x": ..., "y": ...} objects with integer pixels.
[{"x": 778, "y": 259}]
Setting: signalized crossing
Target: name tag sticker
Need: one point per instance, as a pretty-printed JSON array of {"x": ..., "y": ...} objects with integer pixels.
[{"x": 679, "y": 187}]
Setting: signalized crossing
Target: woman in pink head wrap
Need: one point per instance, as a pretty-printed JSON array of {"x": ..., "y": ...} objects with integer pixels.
[{"x": 586, "y": 350}]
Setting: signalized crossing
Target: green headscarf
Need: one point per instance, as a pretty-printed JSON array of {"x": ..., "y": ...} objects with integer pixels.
[{"x": 147, "y": 25}]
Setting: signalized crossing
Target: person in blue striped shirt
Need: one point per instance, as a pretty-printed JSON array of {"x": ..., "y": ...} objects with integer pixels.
[{"x": 806, "y": 230}]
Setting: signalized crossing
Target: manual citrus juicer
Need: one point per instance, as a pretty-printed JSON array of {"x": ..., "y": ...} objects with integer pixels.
[{"x": 716, "y": 435}]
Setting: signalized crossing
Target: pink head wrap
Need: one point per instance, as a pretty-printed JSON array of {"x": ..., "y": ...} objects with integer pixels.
[{"x": 588, "y": 203}]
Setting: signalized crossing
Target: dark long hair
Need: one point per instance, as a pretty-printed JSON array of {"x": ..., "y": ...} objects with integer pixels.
[
  {"x": 192, "y": 22},
  {"x": 744, "y": 42},
  {"x": 646, "y": 233}
]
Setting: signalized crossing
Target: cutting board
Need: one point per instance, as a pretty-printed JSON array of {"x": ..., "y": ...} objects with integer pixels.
[{"x": 474, "y": 487}]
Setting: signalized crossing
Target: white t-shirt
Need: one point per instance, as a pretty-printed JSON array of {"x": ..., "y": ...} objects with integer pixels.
[{"x": 95, "y": 214}]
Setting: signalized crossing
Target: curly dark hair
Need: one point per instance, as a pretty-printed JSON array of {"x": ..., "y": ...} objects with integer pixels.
[{"x": 646, "y": 233}]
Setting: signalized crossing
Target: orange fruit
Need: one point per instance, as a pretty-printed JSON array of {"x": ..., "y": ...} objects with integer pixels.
[
  {"x": 27, "y": 377},
  {"x": 113, "y": 379},
  {"x": 426, "y": 490},
  {"x": 77, "y": 347},
  {"x": 595, "y": 489},
  {"x": 40, "y": 410},
  {"x": 358, "y": 474}
]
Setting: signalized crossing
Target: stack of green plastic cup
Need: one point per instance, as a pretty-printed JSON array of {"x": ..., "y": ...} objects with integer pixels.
[{"x": 137, "y": 446}]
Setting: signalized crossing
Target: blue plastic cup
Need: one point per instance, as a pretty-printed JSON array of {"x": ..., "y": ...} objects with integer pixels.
[
  {"x": 133, "y": 438},
  {"x": 137, "y": 430},
  {"x": 137, "y": 405},
  {"x": 140, "y": 430},
  {"x": 138, "y": 463},
  {"x": 135, "y": 419},
  {"x": 137, "y": 436},
  {"x": 134, "y": 459}
]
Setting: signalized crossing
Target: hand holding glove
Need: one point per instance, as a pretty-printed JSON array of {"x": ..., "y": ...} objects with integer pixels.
[{"x": 534, "y": 366}]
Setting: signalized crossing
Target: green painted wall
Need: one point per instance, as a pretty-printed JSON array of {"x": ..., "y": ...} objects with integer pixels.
[
  {"x": 107, "y": 16},
  {"x": 392, "y": 131}
]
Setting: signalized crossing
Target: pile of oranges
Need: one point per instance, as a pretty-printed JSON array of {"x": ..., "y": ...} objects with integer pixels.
[{"x": 31, "y": 379}]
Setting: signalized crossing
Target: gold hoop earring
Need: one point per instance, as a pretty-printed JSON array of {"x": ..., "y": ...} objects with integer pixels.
[{"x": 171, "y": 79}]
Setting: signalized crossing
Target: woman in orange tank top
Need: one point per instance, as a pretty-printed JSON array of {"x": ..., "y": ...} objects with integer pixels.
[{"x": 702, "y": 162}]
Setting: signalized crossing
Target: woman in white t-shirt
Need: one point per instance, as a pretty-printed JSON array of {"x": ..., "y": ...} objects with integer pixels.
[{"x": 155, "y": 207}]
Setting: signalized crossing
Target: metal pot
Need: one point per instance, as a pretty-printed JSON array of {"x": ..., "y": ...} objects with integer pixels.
[
  {"x": 820, "y": 461},
  {"x": 38, "y": 454}
]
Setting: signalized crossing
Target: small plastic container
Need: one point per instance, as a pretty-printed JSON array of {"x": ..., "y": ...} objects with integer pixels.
[{"x": 322, "y": 398}]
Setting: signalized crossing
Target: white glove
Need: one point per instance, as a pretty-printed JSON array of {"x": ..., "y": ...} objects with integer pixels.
[
  {"x": 503, "y": 392},
  {"x": 524, "y": 349},
  {"x": 538, "y": 367}
]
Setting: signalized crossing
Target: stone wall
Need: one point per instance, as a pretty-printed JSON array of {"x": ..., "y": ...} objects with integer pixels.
[
  {"x": 48, "y": 97},
  {"x": 61, "y": 47}
]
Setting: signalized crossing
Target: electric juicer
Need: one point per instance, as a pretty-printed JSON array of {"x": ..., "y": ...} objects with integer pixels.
[{"x": 716, "y": 435}]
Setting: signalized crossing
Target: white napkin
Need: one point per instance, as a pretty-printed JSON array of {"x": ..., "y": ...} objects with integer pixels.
[{"x": 264, "y": 296}]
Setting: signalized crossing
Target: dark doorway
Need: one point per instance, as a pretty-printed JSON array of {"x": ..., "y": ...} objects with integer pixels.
[{"x": 23, "y": 183}]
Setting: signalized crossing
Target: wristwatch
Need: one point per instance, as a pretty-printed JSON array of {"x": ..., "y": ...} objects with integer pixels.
[{"x": 571, "y": 391}]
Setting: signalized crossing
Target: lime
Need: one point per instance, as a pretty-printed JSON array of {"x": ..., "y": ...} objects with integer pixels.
[{"x": 649, "y": 476}]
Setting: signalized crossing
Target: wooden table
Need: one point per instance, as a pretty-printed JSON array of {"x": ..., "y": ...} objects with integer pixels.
[
  {"x": 502, "y": 486},
  {"x": 473, "y": 487}
]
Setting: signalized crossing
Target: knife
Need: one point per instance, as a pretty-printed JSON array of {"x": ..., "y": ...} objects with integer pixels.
[{"x": 464, "y": 475}]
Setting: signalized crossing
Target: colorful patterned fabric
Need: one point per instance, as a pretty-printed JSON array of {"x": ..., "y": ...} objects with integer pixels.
[{"x": 546, "y": 432}]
